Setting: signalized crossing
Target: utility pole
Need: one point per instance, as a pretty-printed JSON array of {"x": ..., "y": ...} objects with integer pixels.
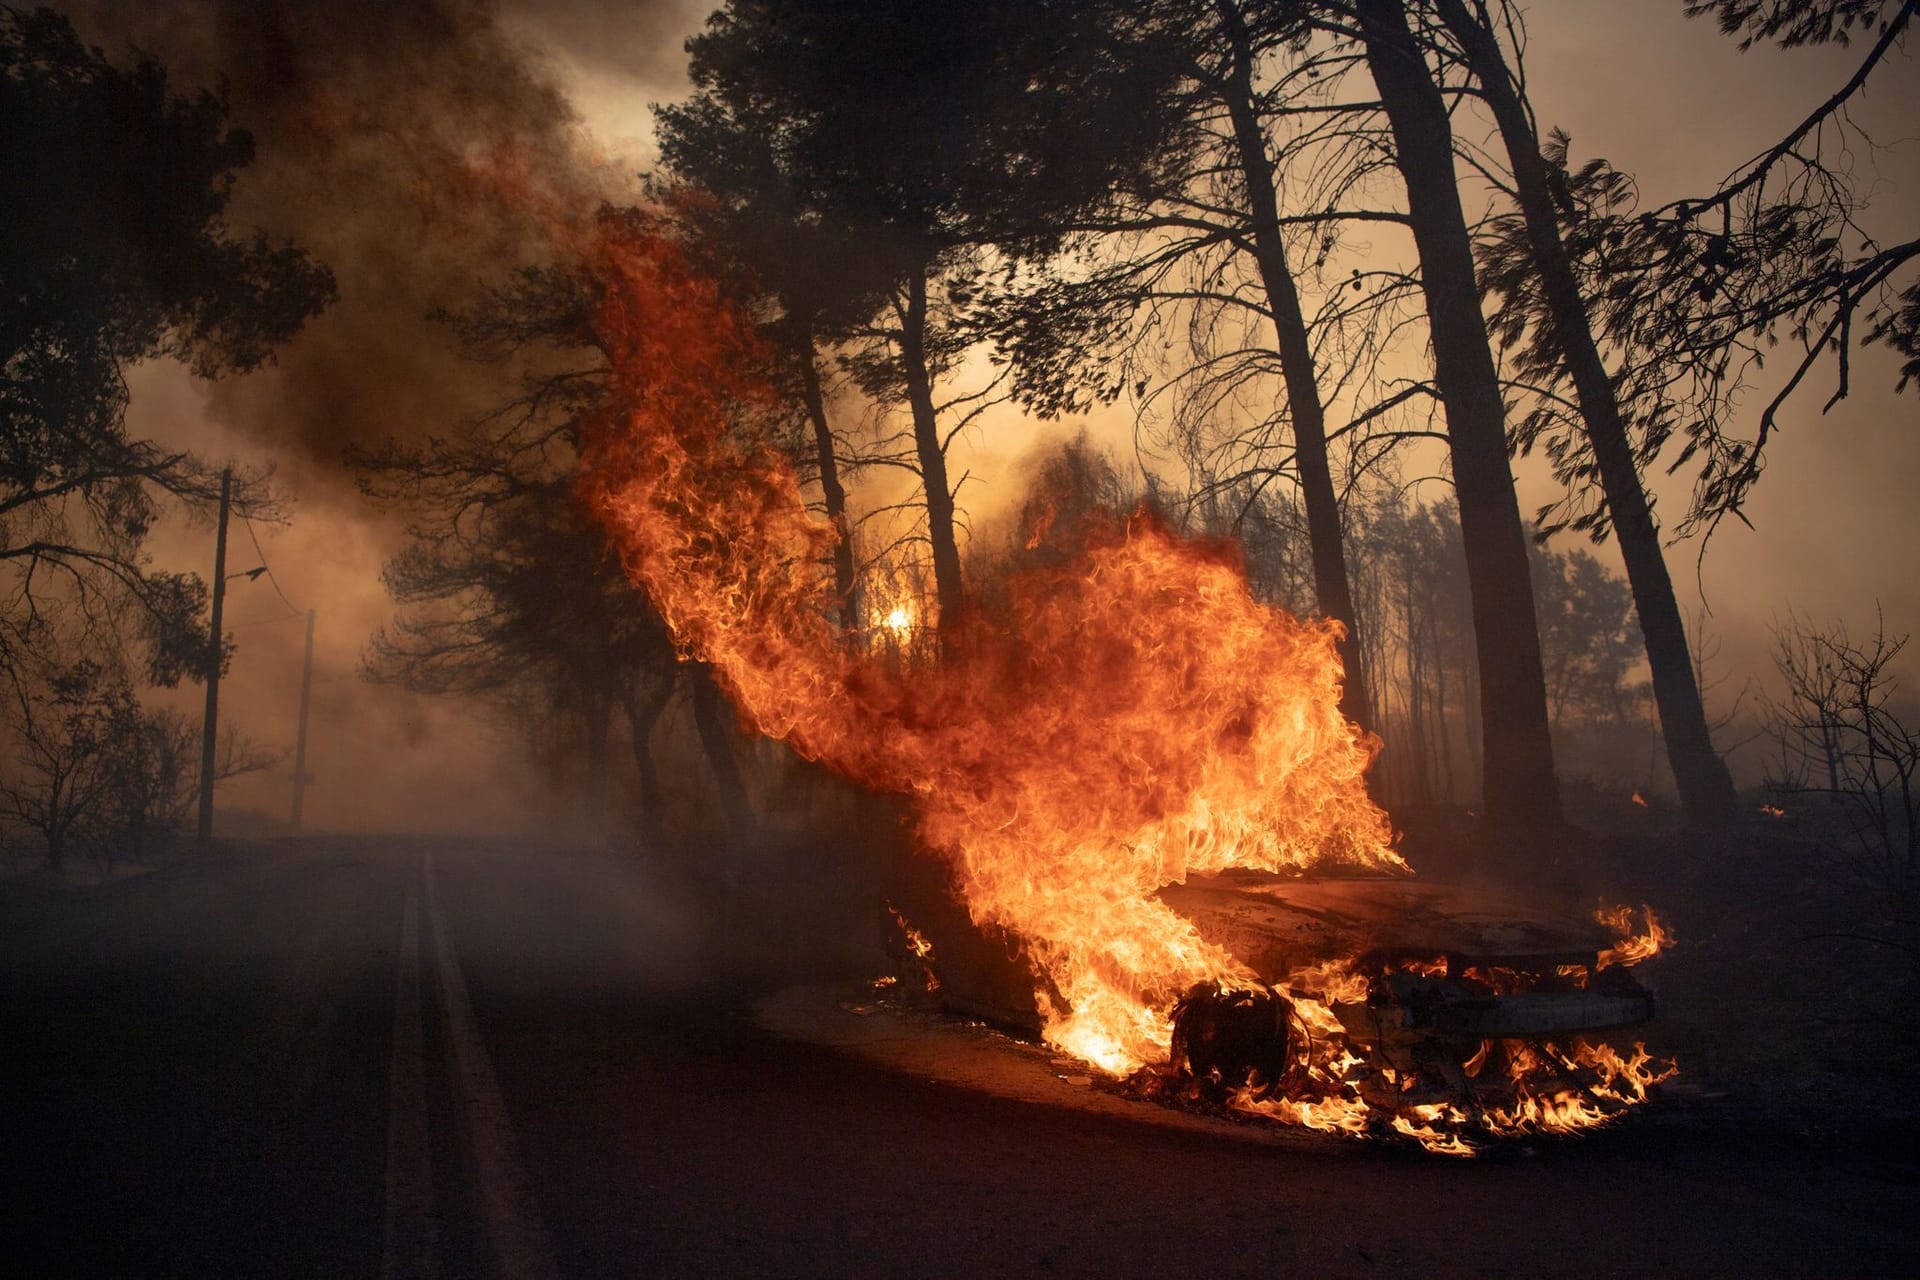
[
  {"x": 300, "y": 776},
  {"x": 210, "y": 725}
]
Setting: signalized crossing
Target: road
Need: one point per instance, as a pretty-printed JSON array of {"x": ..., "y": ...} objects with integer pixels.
[{"x": 408, "y": 1057}]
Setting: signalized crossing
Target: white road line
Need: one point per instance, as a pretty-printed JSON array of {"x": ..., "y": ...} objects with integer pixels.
[
  {"x": 410, "y": 1236},
  {"x": 512, "y": 1220}
]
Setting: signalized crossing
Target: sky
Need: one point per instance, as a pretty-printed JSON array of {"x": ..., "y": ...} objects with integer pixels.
[
  {"x": 401, "y": 144},
  {"x": 1834, "y": 520}
]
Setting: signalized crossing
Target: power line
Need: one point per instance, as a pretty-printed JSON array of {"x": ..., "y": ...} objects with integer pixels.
[{"x": 292, "y": 610}]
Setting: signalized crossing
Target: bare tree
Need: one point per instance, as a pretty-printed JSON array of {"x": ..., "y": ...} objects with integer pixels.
[
  {"x": 1845, "y": 740},
  {"x": 156, "y": 779},
  {"x": 88, "y": 769},
  {"x": 64, "y": 721}
]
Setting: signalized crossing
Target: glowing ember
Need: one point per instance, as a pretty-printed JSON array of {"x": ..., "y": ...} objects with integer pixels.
[
  {"x": 919, "y": 946},
  {"x": 916, "y": 940}
]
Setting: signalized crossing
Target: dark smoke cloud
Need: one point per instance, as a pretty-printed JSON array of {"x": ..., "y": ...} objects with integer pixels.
[
  {"x": 416, "y": 147},
  {"x": 412, "y": 145}
]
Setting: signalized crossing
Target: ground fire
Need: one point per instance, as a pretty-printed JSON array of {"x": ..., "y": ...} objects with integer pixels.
[{"x": 1134, "y": 722}]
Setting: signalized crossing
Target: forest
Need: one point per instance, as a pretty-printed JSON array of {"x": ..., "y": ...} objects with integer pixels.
[
  {"x": 1309, "y": 280},
  {"x": 1243, "y": 232},
  {"x": 1050, "y": 502}
]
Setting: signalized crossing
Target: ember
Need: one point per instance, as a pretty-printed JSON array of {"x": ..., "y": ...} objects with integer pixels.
[
  {"x": 1135, "y": 718},
  {"x": 916, "y": 951}
]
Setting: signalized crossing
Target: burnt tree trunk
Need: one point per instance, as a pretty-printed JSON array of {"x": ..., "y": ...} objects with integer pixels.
[
  {"x": 597, "y": 716},
  {"x": 710, "y": 712},
  {"x": 1445, "y": 734},
  {"x": 1519, "y": 783},
  {"x": 1706, "y": 788},
  {"x": 1470, "y": 709},
  {"x": 831, "y": 489},
  {"x": 1419, "y": 759},
  {"x": 931, "y": 450},
  {"x": 1295, "y": 349},
  {"x": 643, "y": 713}
]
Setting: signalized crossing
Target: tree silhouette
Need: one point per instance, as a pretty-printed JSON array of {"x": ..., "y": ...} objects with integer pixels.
[
  {"x": 1546, "y": 295},
  {"x": 1520, "y": 785},
  {"x": 934, "y": 137},
  {"x": 506, "y": 584},
  {"x": 1694, "y": 297},
  {"x": 1791, "y": 23},
  {"x": 113, "y": 193},
  {"x": 1193, "y": 245}
]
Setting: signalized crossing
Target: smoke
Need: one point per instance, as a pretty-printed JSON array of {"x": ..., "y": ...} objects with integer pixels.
[
  {"x": 413, "y": 146},
  {"x": 419, "y": 148}
]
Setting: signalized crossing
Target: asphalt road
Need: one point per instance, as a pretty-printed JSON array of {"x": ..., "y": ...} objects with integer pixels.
[{"x": 442, "y": 1058}]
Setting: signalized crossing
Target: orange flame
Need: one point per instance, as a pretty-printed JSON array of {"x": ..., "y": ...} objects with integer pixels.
[
  {"x": 1135, "y": 716},
  {"x": 1130, "y": 718},
  {"x": 918, "y": 945},
  {"x": 917, "y": 942},
  {"x": 1512, "y": 1087},
  {"x": 1633, "y": 945}
]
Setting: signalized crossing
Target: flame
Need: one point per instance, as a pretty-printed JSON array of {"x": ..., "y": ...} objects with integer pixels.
[
  {"x": 1513, "y": 1087},
  {"x": 919, "y": 946},
  {"x": 897, "y": 612},
  {"x": 916, "y": 941},
  {"x": 1611, "y": 1084},
  {"x": 1424, "y": 1124},
  {"x": 1120, "y": 721},
  {"x": 1633, "y": 946},
  {"x": 1135, "y": 716}
]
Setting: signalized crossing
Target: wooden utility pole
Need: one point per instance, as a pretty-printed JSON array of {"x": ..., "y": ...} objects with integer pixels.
[
  {"x": 210, "y": 726},
  {"x": 300, "y": 775}
]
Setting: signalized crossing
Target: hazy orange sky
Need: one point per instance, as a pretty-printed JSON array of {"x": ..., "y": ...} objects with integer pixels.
[{"x": 352, "y": 125}]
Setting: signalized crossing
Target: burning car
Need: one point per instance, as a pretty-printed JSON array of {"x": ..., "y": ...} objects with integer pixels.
[
  {"x": 1378, "y": 1003},
  {"x": 1119, "y": 720}
]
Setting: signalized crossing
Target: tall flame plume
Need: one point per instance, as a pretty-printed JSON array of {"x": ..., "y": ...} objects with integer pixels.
[{"x": 1132, "y": 717}]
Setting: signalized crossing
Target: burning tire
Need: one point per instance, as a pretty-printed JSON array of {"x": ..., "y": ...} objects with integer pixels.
[{"x": 1235, "y": 1039}]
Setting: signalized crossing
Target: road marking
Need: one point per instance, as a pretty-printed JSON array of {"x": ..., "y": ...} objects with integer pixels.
[
  {"x": 512, "y": 1220},
  {"x": 410, "y": 1237}
]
